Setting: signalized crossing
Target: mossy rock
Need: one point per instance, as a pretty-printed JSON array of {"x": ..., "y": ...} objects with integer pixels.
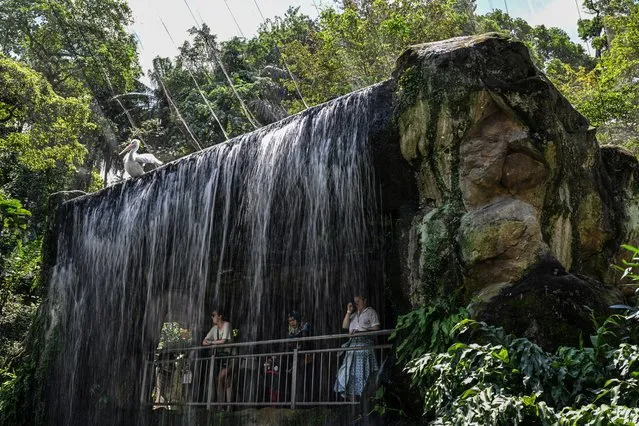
[{"x": 548, "y": 306}]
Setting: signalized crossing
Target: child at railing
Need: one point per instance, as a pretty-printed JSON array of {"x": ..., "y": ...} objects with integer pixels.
[{"x": 271, "y": 380}]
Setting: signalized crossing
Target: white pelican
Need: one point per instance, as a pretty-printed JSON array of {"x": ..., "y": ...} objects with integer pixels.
[{"x": 133, "y": 161}]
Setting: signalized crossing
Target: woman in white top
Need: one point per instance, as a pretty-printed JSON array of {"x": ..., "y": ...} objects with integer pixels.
[
  {"x": 364, "y": 319},
  {"x": 358, "y": 364},
  {"x": 220, "y": 334}
]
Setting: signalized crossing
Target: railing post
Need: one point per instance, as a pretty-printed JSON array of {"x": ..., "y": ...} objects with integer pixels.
[
  {"x": 294, "y": 379},
  {"x": 210, "y": 383}
]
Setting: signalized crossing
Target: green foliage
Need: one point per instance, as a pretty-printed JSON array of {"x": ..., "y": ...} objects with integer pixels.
[
  {"x": 13, "y": 217},
  {"x": 628, "y": 266},
  {"x": 19, "y": 262},
  {"x": 490, "y": 377},
  {"x": 173, "y": 335},
  {"x": 38, "y": 128},
  {"x": 545, "y": 44},
  {"x": 357, "y": 45},
  {"x": 71, "y": 42},
  {"x": 17, "y": 315},
  {"x": 21, "y": 393},
  {"x": 84, "y": 50},
  {"x": 40, "y": 137},
  {"x": 596, "y": 415},
  {"x": 487, "y": 376},
  {"x": 426, "y": 329},
  {"x": 598, "y": 29},
  {"x": 8, "y": 380},
  {"x": 608, "y": 95},
  {"x": 258, "y": 78},
  {"x": 22, "y": 267}
]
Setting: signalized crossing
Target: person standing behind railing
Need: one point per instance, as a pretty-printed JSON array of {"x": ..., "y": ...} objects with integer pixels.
[
  {"x": 219, "y": 334},
  {"x": 358, "y": 364},
  {"x": 298, "y": 328}
]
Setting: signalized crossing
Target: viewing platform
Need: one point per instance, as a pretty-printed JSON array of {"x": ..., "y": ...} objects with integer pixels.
[{"x": 281, "y": 373}]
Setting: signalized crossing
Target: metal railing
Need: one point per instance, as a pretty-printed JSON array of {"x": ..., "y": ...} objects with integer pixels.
[{"x": 277, "y": 373}]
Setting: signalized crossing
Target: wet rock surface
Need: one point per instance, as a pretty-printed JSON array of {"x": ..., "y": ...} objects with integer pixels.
[{"x": 524, "y": 185}]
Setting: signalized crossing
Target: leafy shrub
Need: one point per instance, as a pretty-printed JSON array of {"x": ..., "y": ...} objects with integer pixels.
[
  {"x": 508, "y": 380},
  {"x": 427, "y": 329}
]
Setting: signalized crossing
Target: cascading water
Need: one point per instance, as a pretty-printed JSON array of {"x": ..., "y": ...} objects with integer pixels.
[{"x": 282, "y": 218}]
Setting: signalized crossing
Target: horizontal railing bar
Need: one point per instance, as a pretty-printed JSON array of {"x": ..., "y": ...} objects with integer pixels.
[
  {"x": 328, "y": 403},
  {"x": 244, "y": 404},
  {"x": 264, "y": 354},
  {"x": 353, "y": 348},
  {"x": 279, "y": 341}
]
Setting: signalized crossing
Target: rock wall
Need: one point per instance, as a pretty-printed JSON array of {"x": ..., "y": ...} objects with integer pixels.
[{"x": 516, "y": 207}]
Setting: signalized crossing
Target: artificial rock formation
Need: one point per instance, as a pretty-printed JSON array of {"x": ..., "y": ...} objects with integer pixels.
[
  {"x": 494, "y": 192},
  {"x": 516, "y": 208}
]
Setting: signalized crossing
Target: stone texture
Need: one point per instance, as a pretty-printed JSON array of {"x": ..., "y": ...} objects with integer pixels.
[
  {"x": 499, "y": 242},
  {"x": 623, "y": 168},
  {"x": 519, "y": 175},
  {"x": 548, "y": 305}
]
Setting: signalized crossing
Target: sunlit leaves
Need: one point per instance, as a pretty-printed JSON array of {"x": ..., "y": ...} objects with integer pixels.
[
  {"x": 13, "y": 217},
  {"x": 596, "y": 415},
  {"x": 546, "y": 44},
  {"x": 71, "y": 41},
  {"x": 40, "y": 129},
  {"x": 357, "y": 45},
  {"x": 506, "y": 380},
  {"x": 608, "y": 95}
]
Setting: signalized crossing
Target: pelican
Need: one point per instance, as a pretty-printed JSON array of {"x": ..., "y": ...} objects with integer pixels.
[{"x": 133, "y": 161}]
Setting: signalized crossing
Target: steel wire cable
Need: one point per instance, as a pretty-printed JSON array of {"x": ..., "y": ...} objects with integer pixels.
[
  {"x": 206, "y": 101},
  {"x": 243, "y": 106},
  {"x": 114, "y": 95},
  {"x": 297, "y": 88}
]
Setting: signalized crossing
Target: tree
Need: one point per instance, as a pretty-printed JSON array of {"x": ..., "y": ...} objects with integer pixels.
[
  {"x": 69, "y": 42},
  {"x": 40, "y": 136},
  {"x": 546, "y": 44},
  {"x": 80, "y": 47},
  {"x": 356, "y": 44},
  {"x": 597, "y": 30},
  {"x": 258, "y": 95},
  {"x": 40, "y": 151},
  {"x": 608, "y": 95},
  {"x": 13, "y": 225}
]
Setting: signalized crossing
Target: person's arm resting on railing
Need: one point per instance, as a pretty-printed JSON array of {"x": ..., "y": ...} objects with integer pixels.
[
  {"x": 220, "y": 333},
  {"x": 210, "y": 337},
  {"x": 224, "y": 335}
]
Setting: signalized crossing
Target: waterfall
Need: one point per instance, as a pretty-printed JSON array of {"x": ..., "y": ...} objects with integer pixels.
[{"x": 286, "y": 217}]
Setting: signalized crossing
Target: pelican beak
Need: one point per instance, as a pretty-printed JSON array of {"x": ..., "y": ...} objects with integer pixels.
[{"x": 128, "y": 147}]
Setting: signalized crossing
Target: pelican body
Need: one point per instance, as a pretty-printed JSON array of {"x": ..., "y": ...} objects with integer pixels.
[{"x": 133, "y": 162}]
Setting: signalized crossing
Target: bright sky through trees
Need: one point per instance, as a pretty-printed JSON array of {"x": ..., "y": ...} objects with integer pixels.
[{"x": 154, "y": 41}]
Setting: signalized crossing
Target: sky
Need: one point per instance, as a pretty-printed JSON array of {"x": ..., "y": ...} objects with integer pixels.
[{"x": 245, "y": 19}]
